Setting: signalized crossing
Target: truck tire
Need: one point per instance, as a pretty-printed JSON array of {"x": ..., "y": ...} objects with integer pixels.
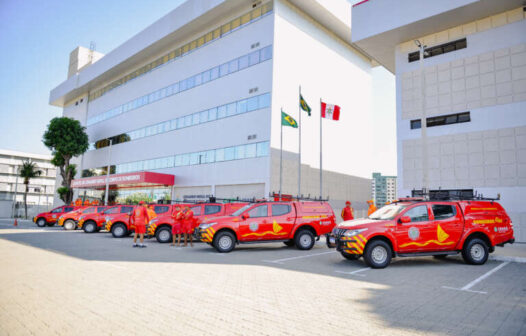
[
  {"x": 304, "y": 239},
  {"x": 41, "y": 222},
  {"x": 377, "y": 254},
  {"x": 289, "y": 243},
  {"x": 349, "y": 256},
  {"x": 119, "y": 230},
  {"x": 475, "y": 252},
  {"x": 163, "y": 235},
  {"x": 69, "y": 225},
  {"x": 89, "y": 227},
  {"x": 224, "y": 242}
]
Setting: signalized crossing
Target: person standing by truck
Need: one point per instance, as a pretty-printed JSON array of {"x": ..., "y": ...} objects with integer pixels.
[
  {"x": 177, "y": 216},
  {"x": 188, "y": 221},
  {"x": 139, "y": 218},
  {"x": 347, "y": 212},
  {"x": 372, "y": 207}
]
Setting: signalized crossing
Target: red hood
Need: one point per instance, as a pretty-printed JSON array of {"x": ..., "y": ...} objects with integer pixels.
[
  {"x": 219, "y": 219},
  {"x": 362, "y": 223}
]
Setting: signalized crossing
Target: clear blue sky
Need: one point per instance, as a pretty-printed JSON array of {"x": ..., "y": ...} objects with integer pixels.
[{"x": 36, "y": 37}]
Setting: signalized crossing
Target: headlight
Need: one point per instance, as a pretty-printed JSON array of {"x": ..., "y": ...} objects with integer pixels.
[
  {"x": 153, "y": 221},
  {"x": 351, "y": 233},
  {"x": 205, "y": 226},
  {"x": 107, "y": 219}
]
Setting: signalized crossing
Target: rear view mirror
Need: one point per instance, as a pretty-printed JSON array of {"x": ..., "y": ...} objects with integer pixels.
[
  {"x": 405, "y": 219},
  {"x": 245, "y": 216}
]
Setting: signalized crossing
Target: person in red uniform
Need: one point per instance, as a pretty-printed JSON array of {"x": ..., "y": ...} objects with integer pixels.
[
  {"x": 177, "y": 225},
  {"x": 188, "y": 221},
  {"x": 347, "y": 212},
  {"x": 139, "y": 218}
]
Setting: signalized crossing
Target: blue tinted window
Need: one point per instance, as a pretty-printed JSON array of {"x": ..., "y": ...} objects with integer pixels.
[
  {"x": 212, "y": 114},
  {"x": 262, "y": 149},
  {"x": 264, "y": 100},
  {"x": 230, "y": 153},
  {"x": 252, "y": 104},
  {"x": 221, "y": 112},
  {"x": 231, "y": 109},
  {"x": 223, "y": 70},
  {"x": 241, "y": 106},
  {"x": 240, "y": 152}
]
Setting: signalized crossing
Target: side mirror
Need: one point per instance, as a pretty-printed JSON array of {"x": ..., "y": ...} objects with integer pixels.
[
  {"x": 405, "y": 219},
  {"x": 245, "y": 216}
]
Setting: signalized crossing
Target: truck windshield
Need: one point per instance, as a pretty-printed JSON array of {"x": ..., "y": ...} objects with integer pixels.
[
  {"x": 240, "y": 211},
  {"x": 387, "y": 212}
]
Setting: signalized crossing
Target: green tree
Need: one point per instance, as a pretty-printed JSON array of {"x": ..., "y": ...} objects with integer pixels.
[
  {"x": 66, "y": 138},
  {"x": 28, "y": 171}
]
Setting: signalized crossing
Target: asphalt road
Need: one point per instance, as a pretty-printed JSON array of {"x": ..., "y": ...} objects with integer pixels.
[{"x": 298, "y": 292}]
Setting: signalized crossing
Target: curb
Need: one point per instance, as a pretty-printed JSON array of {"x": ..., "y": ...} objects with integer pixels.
[{"x": 505, "y": 258}]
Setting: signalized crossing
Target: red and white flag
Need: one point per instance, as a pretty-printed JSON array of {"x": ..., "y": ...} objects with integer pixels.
[{"x": 330, "y": 111}]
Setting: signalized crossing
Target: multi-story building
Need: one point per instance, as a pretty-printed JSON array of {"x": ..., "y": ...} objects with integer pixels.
[
  {"x": 470, "y": 88},
  {"x": 383, "y": 189},
  {"x": 197, "y": 96},
  {"x": 41, "y": 189}
]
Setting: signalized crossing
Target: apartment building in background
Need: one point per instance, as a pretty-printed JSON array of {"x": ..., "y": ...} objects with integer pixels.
[
  {"x": 383, "y": 189},
  {"x": 470, "y": 87}
]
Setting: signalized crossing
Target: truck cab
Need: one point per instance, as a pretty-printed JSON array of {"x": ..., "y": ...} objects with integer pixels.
[
  {"x": 50, "y": 218},
  {"x": 425, "y": 228},
  {"x": 120, "y": 225},
  {"x": 297, "y": 223},
  {"x": 70, "y": 219}
]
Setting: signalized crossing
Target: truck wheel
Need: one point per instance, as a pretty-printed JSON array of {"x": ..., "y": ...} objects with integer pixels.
[
  {"x": 41, "y": 222},
  {"x": 118, "y": 230},
  {"x": 377, "y": 254},
  {"x": 289, "y": 243},
  {"x": 69, "y": 224},
  {"x": 224, "y": 242},
  {"x": 163, "y": 235},
  {"x": 475, "y": 252},
  {"x": 351, "y": 256},
  {"x": 90, "y": 227},
  {"x": 304, "y": 240}
]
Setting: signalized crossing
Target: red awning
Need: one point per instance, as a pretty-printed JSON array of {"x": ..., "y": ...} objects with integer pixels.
[{"x": 128, "y": 180}]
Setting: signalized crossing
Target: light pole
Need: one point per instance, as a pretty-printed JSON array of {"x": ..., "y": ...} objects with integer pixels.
[
  {"x": 108, "y": 175},
  {"x": 17, "y": 170},
  {"x": 423, "y": 123}
]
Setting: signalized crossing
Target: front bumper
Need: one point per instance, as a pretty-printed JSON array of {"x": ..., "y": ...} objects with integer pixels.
[
  {"x": 150, "y": 229},
  {"x": 350, "y": 245},
  {"x": 204, "y": 235}
]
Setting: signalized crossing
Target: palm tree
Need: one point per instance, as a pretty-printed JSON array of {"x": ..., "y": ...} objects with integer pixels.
[{"x": 28, "y": 171}]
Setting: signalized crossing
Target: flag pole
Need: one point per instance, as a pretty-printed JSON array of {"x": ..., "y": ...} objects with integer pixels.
[
  {"x": 299, "y": 145},
  {"x": 321, "y": 156},
  {"x": 281, "y": 154}
]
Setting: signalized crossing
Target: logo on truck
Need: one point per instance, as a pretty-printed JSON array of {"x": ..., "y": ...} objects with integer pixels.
[
  {"x": 442, "y": 236},
  {"x": 276, "y": 228}
]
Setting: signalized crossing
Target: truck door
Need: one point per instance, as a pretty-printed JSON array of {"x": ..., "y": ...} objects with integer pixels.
[
  {"x": 283, "y": 219},
  {"x": 255, "y": 224},
  {"x": 417, "y": 235},
  {"x": 449, "y": 225}
]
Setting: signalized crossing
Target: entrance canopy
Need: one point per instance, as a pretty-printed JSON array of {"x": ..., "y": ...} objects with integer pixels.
[{"x": 128, "y": 180}]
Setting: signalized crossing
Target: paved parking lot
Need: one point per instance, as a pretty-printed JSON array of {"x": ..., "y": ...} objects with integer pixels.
[{"x": 58, "y": 282}]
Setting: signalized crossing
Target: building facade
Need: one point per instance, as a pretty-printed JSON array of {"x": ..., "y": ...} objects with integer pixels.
[
  {"x": 383, "y": 189},
  {"x": 470, "y": 87},
  {"x": 198, "y": 95},
  {"x": 12, "y": 188}
]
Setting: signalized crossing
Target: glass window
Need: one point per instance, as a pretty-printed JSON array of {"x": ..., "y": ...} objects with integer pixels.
[
  {"x": 259, "y": 211},
  {"x": 236, "y": 23},
  {"x": 113, "y": 210},
  {"x": 162, "y": 93},
  {"x": 262, "y": 149},
  {"x": 170, "y": 161},
  {"x": 230, "y": 153},
  {"x": 190, "y": 83},
  {"x": 212, "y": 209},
  {"x": 208, "y": 37},
  {"x": 178, "y": 160},
  {"x": 245, "y": 18},
  {"x": 210, "y": 156},
  {"x": 198, "y": 79},
  {"x": 443, "y": 211},
  {"x": 418, "y": 214},
  {"x": 58, "y": 210},
  {"x": 195, "y": 118},
  {"x": 250, "y": 151},
  {"x": 194, "y": 158},
  {"x": 185, "y": 159},
  {"x": 264, "y": 100},
  {"x": 159, "y": 209},
  {"x": 242, "y": 106},
  {"x": 266, "y": 53},
  {"x": 217, "y": 33},
  {"x": 225, "y": 28},
  {"x": 206, "y": 76},
  {"x": 223, "y": 70},
  {"x": 180, "y": 122},
  {"x": 233, "y": 66},
  {"x": 220, "y": 155},
  {"x": 280, "y": 209},
  {"x": 256, "y": 13},
  {"x": 182, "y": 85},
  {"x": 214, "y": 73},
  {"x": 253, "y": 58},
  {"x": 212, "y": 114},
  {"x": 126, "y": 209},
  {"x": 221, "y": 112},
  {"x": 169, "y": 90},
  {"x": 175, "y": 88},
  {"x": 231, "y": 109},
  {"x": 196, "y": 210},
  {"x": 252, "y": 104},
  {"x": 188, "y": 120},
  {"x": 240, "y": 152},
  {"x": 243, "y": 62},
  {"x": 203, "y": 116},
  {"x": 173, "y": 124}
]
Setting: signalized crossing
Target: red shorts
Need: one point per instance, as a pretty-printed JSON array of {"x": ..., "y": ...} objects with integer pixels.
[
  {"x": 140, "y": 228},
  {"x": 176, "y": 228},
  {"x": 188, "y": 228}
]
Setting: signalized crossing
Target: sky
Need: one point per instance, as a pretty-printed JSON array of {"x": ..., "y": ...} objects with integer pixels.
[{"x": 37, "y": 36}]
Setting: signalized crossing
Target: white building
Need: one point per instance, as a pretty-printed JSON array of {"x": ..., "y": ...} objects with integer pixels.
[
  {"x": 474, "y": 83},
  {"x": 41, "y": 189},
  {"x": 198, "y": 94}
]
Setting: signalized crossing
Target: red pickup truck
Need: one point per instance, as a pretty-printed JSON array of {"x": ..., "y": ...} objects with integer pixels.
[
  {"x": 70, "y": 219},
  {"x": 120, "y": 226},
  {"x": 50, "y": 218},
  {"x": 294, "y": 223},
  {"x": 425, "y": 228},
  {"x": 161, "y": 226},
  {"x": 95, "y": 221}
]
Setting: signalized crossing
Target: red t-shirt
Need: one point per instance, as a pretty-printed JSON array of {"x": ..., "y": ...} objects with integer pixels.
[
  {"x": 347, "y": 214},
  {"x": 140, "y": 216}
]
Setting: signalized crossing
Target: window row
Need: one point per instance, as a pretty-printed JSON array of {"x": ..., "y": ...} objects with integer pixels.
[
  {"x": 235, "y": 65},
  {"x": 181, "y": 51},
  {"x": 442, "y": 120},
  {"x": 438, "y": 50},
  {"x": 219, "y": 112}
]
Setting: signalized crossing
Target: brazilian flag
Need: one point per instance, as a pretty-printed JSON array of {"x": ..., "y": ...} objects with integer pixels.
[
  {"x": 304, "y": 106},
  {"x": 287, "y": 120}
]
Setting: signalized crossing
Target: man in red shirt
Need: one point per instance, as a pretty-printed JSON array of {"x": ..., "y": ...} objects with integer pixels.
[
  {"x": 139, "y": 218},
  {"x": 347, "y": 212},
  {"x": 188, "y": 225}
]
